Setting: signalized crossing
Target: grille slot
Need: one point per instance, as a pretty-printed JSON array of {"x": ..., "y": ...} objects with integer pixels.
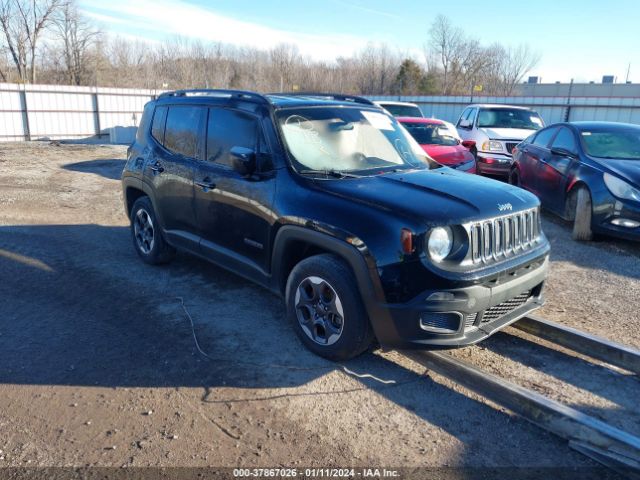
[
  {"x": 469, "y": 320},
  {"x": 504, "y": 308},
  {"x": 504, "y": 236},
  {"x": 446, "y": 322},
  {"x": 510, "y": 146}
]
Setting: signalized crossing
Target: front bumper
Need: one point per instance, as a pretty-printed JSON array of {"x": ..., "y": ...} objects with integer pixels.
[
  {"x": 464, "y": 316},
  {"x": 617, "y": 211},
  {"x": 494, "y": 163}
]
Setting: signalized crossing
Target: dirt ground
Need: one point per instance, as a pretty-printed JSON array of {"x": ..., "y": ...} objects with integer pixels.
[{"x": 98, "y": 365}]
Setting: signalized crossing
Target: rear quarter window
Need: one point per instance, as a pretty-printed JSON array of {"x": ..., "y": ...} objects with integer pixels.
[
  {"x": 145, "y": 121},
  {"x": 544, "y": 137},
  {"x": 157, "y": 127}
]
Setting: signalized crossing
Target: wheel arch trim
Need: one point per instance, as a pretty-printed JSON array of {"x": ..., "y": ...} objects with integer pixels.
[{"x": 363, "y": 268}]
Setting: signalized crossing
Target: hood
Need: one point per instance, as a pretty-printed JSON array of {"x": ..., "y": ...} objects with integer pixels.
[
  {"x": 433, "y": 197},
  {"x": 507, "y": 133},
  {"x": 627, "y": 169},
  {"x": 448, "y": 155}
]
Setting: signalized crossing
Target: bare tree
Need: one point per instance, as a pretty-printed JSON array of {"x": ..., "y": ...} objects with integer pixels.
[
  {"x": 77, "y": 37},
  {"x": 23, "y": 22},
  {"x": 446, "y": 40},
  {"x": 514, "y": 64}
]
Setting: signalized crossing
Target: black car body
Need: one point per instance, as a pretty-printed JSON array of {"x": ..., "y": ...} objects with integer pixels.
[
  {"x": 258, "y": 212},
  {"x": 601, "y": 158}
]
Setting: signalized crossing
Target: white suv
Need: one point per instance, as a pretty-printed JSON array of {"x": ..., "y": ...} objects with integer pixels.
[{"x": 496, "y": 130}]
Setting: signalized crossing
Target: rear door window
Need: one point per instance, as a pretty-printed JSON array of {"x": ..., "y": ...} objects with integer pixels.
[
  {"x": 182, "y": 129},
  {"x": 544, "y": 137},
  {"x": 227, "y": 129}
]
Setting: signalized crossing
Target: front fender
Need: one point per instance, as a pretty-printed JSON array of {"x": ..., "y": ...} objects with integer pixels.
[{"x": 356, "y": 256}]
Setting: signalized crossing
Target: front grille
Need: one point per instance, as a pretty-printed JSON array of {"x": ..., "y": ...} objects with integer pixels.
[
  {"x": 504, "y": 308},
  {"x": 505, "y": 236},
  {"x": 510, "y": 146}
]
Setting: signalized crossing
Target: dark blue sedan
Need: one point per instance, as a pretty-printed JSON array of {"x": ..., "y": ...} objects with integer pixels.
[{"x": 585, "y": 172}]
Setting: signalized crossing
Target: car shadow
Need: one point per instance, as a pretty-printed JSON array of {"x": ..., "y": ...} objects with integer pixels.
[
  {"x": 80, "y": 309},
  {"x": 107, "y": 168}
]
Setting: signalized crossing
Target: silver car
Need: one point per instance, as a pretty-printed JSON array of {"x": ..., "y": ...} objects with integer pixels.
[{"x": 495, "y": 131}]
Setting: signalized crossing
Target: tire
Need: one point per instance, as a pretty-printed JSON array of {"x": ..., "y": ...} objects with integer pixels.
[
  {"x": 147, "y": 235},
  {"x": 514, "y": 178},
  {"x": 325, "y": 308},
  {"x": 582, "y": 215}
]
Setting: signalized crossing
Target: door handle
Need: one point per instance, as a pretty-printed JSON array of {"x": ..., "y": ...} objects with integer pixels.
[
  {"x": 156, "y": 167},
  {"x": 206, "y": 184}
]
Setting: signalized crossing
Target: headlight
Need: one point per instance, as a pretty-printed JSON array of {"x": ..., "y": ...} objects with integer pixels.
[
  {"x": 491, "y": 146},
  {"x": 440, "y": 243},
  {"x": 620, "y": 188}
]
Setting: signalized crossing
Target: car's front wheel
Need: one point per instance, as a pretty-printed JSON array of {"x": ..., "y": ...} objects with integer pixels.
[
  {"x": 325, "y": 308},
  {"x": 580, "y": 203},
  {"x": 146, "y": 234}
]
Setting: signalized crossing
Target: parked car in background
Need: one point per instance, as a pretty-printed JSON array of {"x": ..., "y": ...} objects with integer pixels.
[
  {"x": 328, "y": 202},
  {"x": 495, "y": 131},
  {"x": 436, "y": 140},
  {"x": 400, "y": 109},
  {"x": 586, "y": 172}
]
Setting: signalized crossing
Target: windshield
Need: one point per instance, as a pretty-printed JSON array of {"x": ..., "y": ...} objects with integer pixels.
[
  {"x": 509, "y": 118},
  {"x": 402, "y": 110},
  {"x": 348, "y": 140},
  {"x": 621, "y": 144},
  {"x": 431, "y": 134}
]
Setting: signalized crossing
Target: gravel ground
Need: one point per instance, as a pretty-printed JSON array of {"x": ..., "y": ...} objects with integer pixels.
[{"x": 99, "y": 366}]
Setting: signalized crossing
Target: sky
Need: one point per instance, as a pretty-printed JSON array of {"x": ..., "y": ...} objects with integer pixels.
[{"x": 583, "y": 40}]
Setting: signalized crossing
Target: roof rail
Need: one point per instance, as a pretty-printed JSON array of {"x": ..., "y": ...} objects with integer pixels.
[
  {"x": 333, "y": 96},
  {"x": 217, "y": 92}
]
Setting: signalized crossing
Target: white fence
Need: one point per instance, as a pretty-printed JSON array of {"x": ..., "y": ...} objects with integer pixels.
[
  {"x": 32, "y": 112},
  {"x": 551, "y": 109}
]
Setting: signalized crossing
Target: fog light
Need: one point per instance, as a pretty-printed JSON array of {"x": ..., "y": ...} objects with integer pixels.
[
  {"x": 625, "y": 222},
  {"x": 441, "y": 297}
]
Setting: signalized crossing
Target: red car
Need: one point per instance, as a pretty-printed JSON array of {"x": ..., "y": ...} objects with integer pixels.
[{"x": 436, "y": 139}]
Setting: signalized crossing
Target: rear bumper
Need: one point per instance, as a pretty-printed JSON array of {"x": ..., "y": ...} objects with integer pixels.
[
  {"x": 494, "y": 163},
  {"x": 464, "y": 316}
]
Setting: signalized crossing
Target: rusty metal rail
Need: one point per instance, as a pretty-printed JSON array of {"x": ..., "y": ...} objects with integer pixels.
[
  {"x": 581, "y": 342},
  {"x": 607, "y": 445}
]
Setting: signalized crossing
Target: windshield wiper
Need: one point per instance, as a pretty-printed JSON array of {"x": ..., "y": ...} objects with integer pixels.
[{"x": 329, "y": 173}]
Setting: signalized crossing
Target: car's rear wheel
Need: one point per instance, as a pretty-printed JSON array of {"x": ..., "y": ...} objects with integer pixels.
[
  {"x": 514, "y": 177},
  {"x": 582, "y": 212},
  {"x": 146, "y": 234},
  {"x": 325, "y": 308}
]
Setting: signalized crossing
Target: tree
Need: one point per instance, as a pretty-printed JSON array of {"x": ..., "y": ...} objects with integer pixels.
[
  {"x": 22, "y": 23},
  {"x": 77, "y": 37},
  {"x": 446, "y": 41},
  {"x": 515, "y": 63},
  {"x": 412, "y": 79}
]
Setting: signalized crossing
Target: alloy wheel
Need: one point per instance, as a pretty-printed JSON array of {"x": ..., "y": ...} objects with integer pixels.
[
  {"x": 143, "y": 231},
  {"x": 319, "y": 310}
]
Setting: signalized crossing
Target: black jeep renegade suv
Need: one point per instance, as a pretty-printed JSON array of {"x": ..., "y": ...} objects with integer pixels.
[{"x": 327, "y": 201}]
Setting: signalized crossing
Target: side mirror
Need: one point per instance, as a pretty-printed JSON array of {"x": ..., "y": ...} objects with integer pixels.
[
  {"x": 465, "y": 123},
  {"x": 562, "y": 152},
  {"x": 469, "y": 144},
  {"x": 243, "y": 160}
]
